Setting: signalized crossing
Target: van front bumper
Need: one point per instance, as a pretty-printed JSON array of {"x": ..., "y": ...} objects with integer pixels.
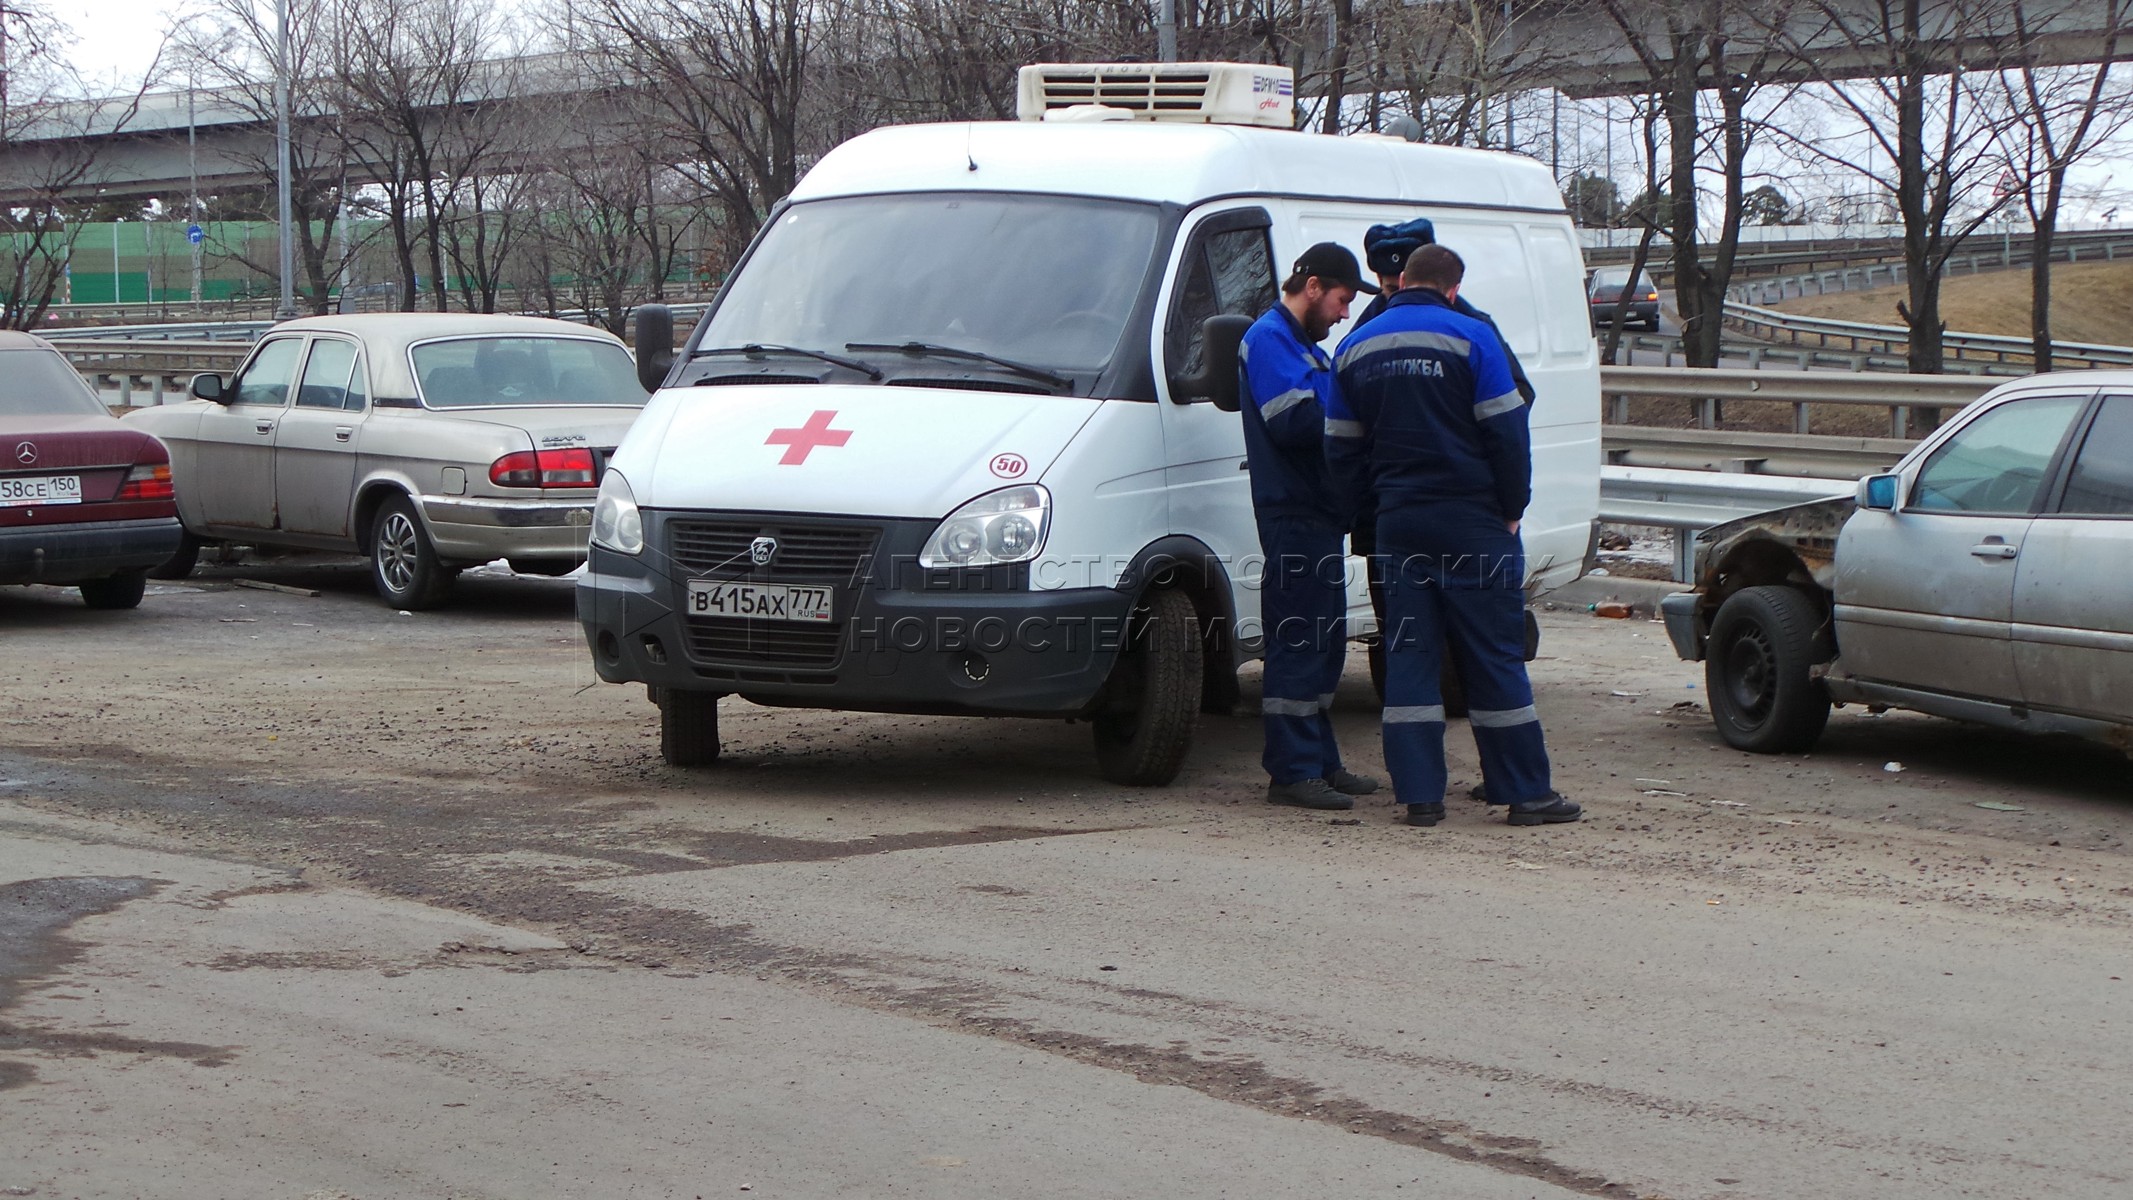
[{"x": 983, "y": 651}]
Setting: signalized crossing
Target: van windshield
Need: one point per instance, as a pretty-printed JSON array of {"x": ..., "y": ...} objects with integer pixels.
[{"x": 1039, "y": 281}]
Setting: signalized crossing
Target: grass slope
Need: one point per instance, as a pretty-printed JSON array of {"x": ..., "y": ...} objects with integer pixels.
[{"x": 2091, "y": 302}]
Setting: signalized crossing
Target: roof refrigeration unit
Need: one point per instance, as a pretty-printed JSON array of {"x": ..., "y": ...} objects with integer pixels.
[{"x": 1207, "y": 93}]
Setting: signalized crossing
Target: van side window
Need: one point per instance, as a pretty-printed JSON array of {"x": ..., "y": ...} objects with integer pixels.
[{"x": 1228, "y": 269}]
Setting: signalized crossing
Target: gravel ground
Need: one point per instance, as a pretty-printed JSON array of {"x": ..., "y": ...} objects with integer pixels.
[{"x": 466, "y": 760}]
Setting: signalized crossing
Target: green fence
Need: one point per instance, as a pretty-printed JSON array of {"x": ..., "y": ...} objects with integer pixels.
[{"x": 152, "y": 262}]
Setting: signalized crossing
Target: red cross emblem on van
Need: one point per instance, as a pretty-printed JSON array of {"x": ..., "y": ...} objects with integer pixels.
[{"x": 802, "y": 441}]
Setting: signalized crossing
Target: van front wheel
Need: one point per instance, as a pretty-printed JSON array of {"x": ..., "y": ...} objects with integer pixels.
[
  {"x": 1153, "y": 697},
  {"x": 688, "y": 728}
]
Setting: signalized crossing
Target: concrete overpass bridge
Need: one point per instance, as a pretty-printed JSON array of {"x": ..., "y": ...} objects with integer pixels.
[{"x": 227, "y": 137}]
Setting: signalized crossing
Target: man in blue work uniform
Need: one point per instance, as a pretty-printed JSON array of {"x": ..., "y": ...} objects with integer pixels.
[
  {"x": 1385, "y": 251},
  {"x": 1303, "y": 598},
  {"x": 1426, "y": 418}
]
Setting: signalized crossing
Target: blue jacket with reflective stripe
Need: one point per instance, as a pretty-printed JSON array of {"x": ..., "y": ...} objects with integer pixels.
[
  {"x": 1425, "y": 411},
  {"x": 1287, "y": 383}
]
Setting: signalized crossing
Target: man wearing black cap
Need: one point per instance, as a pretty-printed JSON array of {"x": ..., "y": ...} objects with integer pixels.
[{"x": 1303, "y": 597}]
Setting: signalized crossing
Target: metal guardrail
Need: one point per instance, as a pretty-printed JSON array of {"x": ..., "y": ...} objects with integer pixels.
[
  {"x": 1707, "y": 390},
  {"x": 245, "y": 332},
  {"x": 1740, "y": 452},
  {"x": 1846, "y": 252},
  {"x": 1689, "y": 502},
  {"x": 161, "y": 368},
  {"x": 1773, "y": 325},
  {"x": 1778, "y": 288}
]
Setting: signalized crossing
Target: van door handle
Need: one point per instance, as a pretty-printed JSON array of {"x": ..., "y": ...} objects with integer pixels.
[
  {"x": 1993, "y": 548},
  {"x": 342, "y": 433},
  {"x": 265, "y": 426}
]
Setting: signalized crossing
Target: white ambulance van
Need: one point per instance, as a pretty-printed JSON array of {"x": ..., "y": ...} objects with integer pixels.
[{"x": 959, "y": 435}]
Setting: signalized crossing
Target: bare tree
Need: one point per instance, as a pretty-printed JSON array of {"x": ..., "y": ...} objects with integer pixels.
[
  {"x": 1687, "y": 50},
  {"x": 53, "y": 139},
  {"x": 731, "y": 77},
  {"x": 2056, "y": 116},
  {"x": 236, "y": 60},
  {"x": 424, "y": 90},
  {"x": 1887, "y": 68}
]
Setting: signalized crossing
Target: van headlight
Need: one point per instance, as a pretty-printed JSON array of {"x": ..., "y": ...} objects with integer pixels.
[
  {"x": 616, "y": 523},
  {"x": 1007, "y": 526}
]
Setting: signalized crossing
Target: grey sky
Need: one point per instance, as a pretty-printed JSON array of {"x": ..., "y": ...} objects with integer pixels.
[{"x": 116, "y": 40}]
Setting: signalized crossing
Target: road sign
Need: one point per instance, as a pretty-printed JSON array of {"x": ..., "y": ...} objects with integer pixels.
[{"x": 195, "y": 234}]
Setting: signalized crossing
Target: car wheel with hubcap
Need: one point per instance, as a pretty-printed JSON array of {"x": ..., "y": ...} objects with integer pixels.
[
  {"x": 403, "y": 564},
  {"x": 1153, "y": 696},
  {"x": 1763, "y": 645}
]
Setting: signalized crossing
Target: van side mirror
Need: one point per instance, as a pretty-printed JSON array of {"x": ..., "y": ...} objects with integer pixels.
[
  {"x": 1216, "y": 380},
  {"x": 655, "y": 344},
  {"x": 209, "y": 387},
  {"x": 1879, "y": 492}
]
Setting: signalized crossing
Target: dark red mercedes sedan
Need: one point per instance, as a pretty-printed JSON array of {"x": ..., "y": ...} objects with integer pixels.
[{"x": 84, "y": 500}]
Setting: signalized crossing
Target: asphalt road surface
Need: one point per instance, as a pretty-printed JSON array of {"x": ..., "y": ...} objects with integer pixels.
[{"x": 303, "y": 898}]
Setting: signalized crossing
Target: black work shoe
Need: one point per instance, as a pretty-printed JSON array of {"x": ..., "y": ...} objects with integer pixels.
[
  {"x": 1307, "y": 793},
  {"x": 1424, "y": 815},
  {"x": 1553, "y": 810},
  {"x": 1348, "y": 783},
  {"x": 1479, "y": 793}
]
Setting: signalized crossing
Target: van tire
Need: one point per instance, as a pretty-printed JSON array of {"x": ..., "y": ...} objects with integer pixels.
[
  {"x": 688, "y": 728},
  {"x": 1450, "y": 687},
  {"x": 1761, "y": 648},
  {"x": 1153, "y": 697}
]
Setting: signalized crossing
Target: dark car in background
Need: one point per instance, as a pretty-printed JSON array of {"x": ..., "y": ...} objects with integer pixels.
[
  {"x": 84, "y": 500},
  {"x": 1604, "y": 291}
]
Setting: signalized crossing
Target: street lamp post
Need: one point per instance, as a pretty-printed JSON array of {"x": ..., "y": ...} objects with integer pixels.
[
  {"x": 192, "y": 174},
  {"x": 286, "y": 208}
]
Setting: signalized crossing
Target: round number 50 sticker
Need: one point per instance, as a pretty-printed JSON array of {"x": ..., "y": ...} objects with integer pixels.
[{"x": 1009, "y": 466}]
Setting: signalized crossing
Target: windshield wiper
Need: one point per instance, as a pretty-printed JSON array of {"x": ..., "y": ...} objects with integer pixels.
[
  {"x": 759, "y": 349},
  {"x": 939, "y": 351}
]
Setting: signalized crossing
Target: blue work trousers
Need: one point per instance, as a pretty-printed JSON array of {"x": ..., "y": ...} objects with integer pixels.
[
  {"x": 1454, "y": 579},
  {"x": 1303, "y": 604}
]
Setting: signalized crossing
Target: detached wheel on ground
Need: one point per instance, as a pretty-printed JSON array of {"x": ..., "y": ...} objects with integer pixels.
[
  {"x": 403, "y": 564},
  {"x": 181, "y": 561},
  {"x": 1762, "y": 646},
  {"x": 119, "y": 591},
  {"x": 1153, "y": 697},
  {"x": 688, "y": 728}
]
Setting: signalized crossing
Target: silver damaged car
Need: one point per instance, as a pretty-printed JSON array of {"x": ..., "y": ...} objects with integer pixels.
[
  {"x": 427, "y": 442},
  {"x": 1987, "y": 578}
]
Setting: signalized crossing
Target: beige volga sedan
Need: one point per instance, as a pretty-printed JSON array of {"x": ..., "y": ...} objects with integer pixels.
[{"x": 427, "y": 442}]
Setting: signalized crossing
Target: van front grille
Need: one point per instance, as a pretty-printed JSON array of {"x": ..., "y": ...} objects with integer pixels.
[
  {"x": 719, "y": 549},
  {"x": 764, "y": 643}
]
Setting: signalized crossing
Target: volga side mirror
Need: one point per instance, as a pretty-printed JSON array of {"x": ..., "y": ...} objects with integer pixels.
[
  {"x": 655, "y": 344},
  {"x": 1879, "y": 492},
  {"x": 209, "y": 387},
  {"x": 1216, "y": 380}
]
